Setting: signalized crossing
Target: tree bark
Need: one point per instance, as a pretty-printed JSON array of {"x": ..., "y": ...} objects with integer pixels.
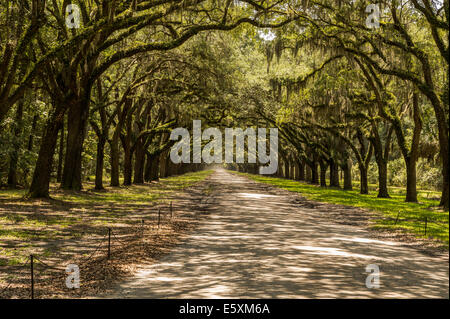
[
  {"x": 445, "y": 187},
  {"x": 169, "y": 167},
  {"x": 163, "y": 165},
  {"x": 114, "y": 160},
  {"x": 382, "y": 179},
  {"x": 139, "y": 160},
  {"x": 348, "y": 175},
  {"x": 279, "y": 172},
  {"x": 14, "y": 154},
  {"x": 297, "y": 170},
  {"x": 308, "y": 173},
  {"x": 99, "y": 163},
  {"x": 127, "y": 164},
  {"x": 301, "y": 167},
  {"x": 76, "y": 131},
  {"x": 411, "y": 180},
  {"x": 323, "y": 173},
  {"x": 314, "y": 173},
  {"x": 147, "y": 169},
  {"x": 364, "y": 185},
  {"x": 41, "y": 177},
  {"x": 61, "y": 154},
  {"x": 154, "y": 176},
  {"x": 286, "y": 169},
  {"x": 381, "y": 160},
  {"x": 334, "y": 174}
]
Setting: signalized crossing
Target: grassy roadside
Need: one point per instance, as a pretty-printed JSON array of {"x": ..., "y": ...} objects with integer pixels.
[
  {"x": 410, "y": 219},
  {"x": 43, "y": 227}
]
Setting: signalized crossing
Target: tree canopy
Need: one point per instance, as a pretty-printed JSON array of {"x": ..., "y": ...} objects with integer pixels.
[{"x": 94, "y": 88}]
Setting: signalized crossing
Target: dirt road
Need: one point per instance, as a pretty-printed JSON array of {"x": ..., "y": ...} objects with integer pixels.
[{"x": 258, "y": 243}]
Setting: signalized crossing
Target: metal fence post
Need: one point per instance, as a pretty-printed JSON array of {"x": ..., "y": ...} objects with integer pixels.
[
  {"x": 109, "y": 243},
  {"x": 159, "y": 216},
  {"x": 426, "y": 222},
  {"x": 32, "y": 275},
  {"x": 396, "y": 220}
]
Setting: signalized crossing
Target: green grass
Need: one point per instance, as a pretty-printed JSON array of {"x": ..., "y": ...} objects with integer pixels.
[
  {"x": 137, "y": 194},
  {"x": 411, "y": 218},
  {"x": 88, "y": 209}
]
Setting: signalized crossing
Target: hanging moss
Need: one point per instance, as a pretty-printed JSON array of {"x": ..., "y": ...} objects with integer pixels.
[
  {"x": 305, "y": 4},
  {"x": 278, "y": 48},
  {"x": 289, "y": 90},
  {"x": 269, "y": 54},
  {"x": 297, "y": 47},
  {"x": 273, "y": 84}
]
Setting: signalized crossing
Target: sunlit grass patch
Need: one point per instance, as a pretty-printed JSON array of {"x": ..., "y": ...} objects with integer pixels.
[
  {"x": 136, "y": 193},
  {"x": 395, "y": 212},
  {"x": 14, "y": 234},
  {"x": 10, "y": 194},
  {"x": 13, "y": 256},
  {"x": 185, "y": 180},
  {"x": 28, "y": 226}
]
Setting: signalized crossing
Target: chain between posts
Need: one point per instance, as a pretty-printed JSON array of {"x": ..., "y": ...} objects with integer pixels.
[
  {"x": 25, "y": 263},
  {"x": 32, "y": 260}
]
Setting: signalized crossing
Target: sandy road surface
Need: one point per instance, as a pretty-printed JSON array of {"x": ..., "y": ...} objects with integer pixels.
[{"x": 257, "y": 243}]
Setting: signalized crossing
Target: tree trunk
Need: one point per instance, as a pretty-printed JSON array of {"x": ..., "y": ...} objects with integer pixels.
[
  {"x": 127, "y": 164},
  {"x": 114, "y": 160},
  {"x": 410, "y": 154},
  {"x": 147, "y": 169},
  {"x": 301, "y": 168},
  {"x": 139, "y": 160},
  {"x": 115, "y": 156},
  {"x": 364, "y": 186},
  {"x": 297, "y": 170},
  {"x": 323, "y": 173},
  {"x": 279, "y": 172},
  {"x": 154, "y": 176},
  {"x": 314, "y": 173},
  {"x": 99, "y": 164},
  {"x": 334, "y": 174},
  {"x": 411, "y": 179},
  {"x": 30, "y": 145},
  {"x": 76, "y": 130},
  {"x": 163, "y": 165},
  {"x": 348, "y": 175},
  {"x": 445, "y": 189},
  {"x": 41, "y": 176},
  {"x": 382, "y": 180},
  {"x": 308, "y": 173},
  {"x": 286, "y": 169},
  {"x": 14, "y": 154},
  {"x": 61, "y": 154},
  {"x": 33, "y": 129},
  {"x": 169, "y": 167}
]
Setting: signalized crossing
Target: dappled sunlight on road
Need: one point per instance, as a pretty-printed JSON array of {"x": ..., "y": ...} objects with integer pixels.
[
  {"x": 331, "y": 251},
  {"x": 365, "y": 240},
  {"x": 258, "y": 243},
  {"x": 253, "y": 195}
]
